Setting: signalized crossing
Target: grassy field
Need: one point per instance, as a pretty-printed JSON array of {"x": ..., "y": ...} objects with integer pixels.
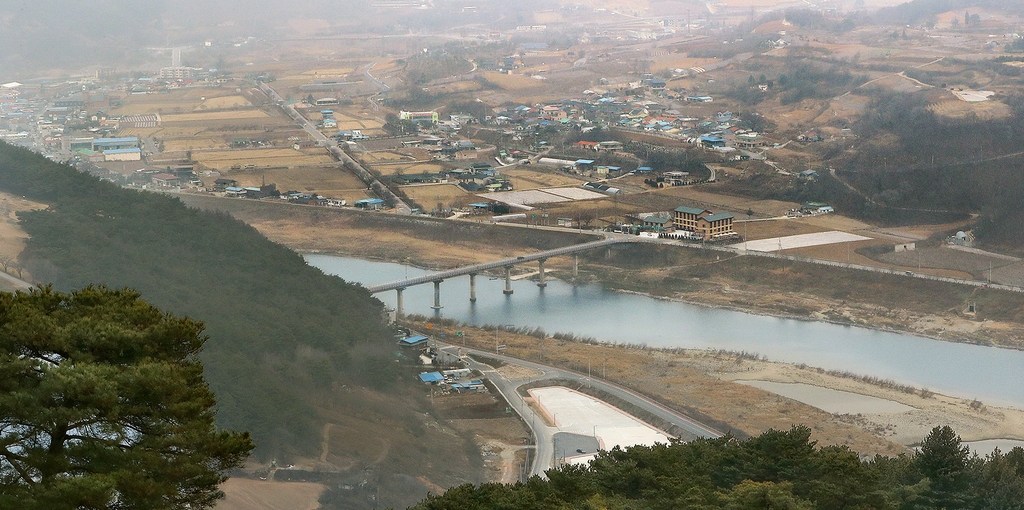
[{"x": 220, "y": 160}]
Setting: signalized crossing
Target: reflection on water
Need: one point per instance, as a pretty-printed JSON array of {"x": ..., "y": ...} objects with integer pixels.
[{"x": 994, "y": 376}]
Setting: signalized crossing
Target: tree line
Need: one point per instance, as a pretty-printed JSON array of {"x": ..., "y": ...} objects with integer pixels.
[
  {"x": 776, "y": 470},
  {"x": 282, "y": 334}
]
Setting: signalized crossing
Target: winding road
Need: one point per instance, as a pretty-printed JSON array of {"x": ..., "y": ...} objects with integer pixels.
[{"x": 544, "y": 434}]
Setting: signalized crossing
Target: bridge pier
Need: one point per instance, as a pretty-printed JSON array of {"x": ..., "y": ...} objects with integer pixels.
[
  {"x": 399, "y": 305},
  {"x": 437, "y": 295},
  {"x": 508, "y": 281},
  {"x": 541, "y": 283},
  {"x": 575, "y": 265},
  {"x": 472, "y": 287}
]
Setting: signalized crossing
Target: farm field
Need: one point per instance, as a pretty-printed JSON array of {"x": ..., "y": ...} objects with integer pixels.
[
  {"x": 525, "y": 179},
  {"x": 214, "y": 103},
  {"x": 185, "y": 144},
  {"x": 326, "y": 180},
  {"x": 428, "y": 196},
  {"x": 413, "y": 169},
  {"x": 220, "y": 160},
  {"x": 180, "y": 101},
  {"x": 214, "y": 116}
]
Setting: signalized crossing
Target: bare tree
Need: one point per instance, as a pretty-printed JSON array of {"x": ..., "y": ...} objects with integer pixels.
[{"x": 6, "y": 261}]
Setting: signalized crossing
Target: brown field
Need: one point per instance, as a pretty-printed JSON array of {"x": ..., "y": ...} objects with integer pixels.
[
  {"x": 245, "y": 494},
  {"x": 417, "y": 168},
  {"x": 214, "y": 103},
  {"x": 430, "y": 195},
  {"x": 335, "y": 72},
  {"x": 679, "y": 61},
  {"x": 194, "y": 143},
  {"x": 220, "y": 160},
  {"x": 524, "y": 179},
  {"x": 985, "y": 110},
  {"x": 139, "y": 132},
  {"x": 178, "y": 101},
  {"x": 320, "y": 179},
  {"x": 179, "y": 131},
  {"x": 215, "y": 116},
  {"x": 512, "y": 81},
  {"x": 383, "y": 156},
  {"x": 455, "y": 88},
  {"x": 707, "y": 198}
]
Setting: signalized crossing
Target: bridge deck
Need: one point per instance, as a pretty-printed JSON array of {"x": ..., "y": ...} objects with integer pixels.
[{"x": 479, "y": 268}]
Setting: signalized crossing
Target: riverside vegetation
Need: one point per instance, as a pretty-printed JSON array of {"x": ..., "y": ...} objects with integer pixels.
[{"x": 776, "y": 470}]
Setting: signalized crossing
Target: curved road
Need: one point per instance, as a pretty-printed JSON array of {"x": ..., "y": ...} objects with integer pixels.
[{"x": 543, "y": 433}]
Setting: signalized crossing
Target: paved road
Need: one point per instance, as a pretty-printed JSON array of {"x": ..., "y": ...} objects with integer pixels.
[
  {"x": 400, "y": 206},
  {"x": 545, "y": 434}
]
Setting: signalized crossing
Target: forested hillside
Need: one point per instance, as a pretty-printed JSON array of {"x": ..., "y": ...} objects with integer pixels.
[
  {"x": 281, "y": 333},
  {"x": 777, "y": 470}
]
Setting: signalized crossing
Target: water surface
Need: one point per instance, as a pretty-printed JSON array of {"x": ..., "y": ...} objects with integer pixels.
[{"x": 994, "y": 376}]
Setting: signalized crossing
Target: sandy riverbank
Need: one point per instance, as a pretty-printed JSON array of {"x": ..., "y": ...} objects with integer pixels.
[{"x": 890, "y": 418}]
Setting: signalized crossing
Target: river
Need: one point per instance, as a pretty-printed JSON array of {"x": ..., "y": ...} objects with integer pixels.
[{"x": 993, "y": 376}]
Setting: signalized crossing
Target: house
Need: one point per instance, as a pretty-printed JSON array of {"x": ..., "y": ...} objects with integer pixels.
[
  {"x": 658, "y": 223},
  {"x": 703, "y": 223},
  {"x": 430, "y": 117},
  {"x": 685, "y": 218},
  {"x": 413, "y": 342},
  {"x": 810, "y": 136},
  {"x": 583, "y": 144},
  {"x": 304, "y": 144},
  {"x": 750, "y": 141},
  {"x": 106, "y": 144},
  {"x": 583, "y": 164},
  {"x": 710, "y": 141},
  {"x": 699, "y": 99},
  {"x": 123, "y": 155},
  {"x": 809, "y": 175},
  {"x": 234, "y": 191},
  {"x": 609, "y": 146},
  {"x": 715, "y": 226},
  {"x": 369, "y": 203},
  {"x": 166, "y": 179},
  {"x": 222, "y": 184},
  {"x": 431, "y": 378}
]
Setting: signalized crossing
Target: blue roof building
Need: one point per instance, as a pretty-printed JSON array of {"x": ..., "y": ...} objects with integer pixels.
[{"x": 431, "y": 377}]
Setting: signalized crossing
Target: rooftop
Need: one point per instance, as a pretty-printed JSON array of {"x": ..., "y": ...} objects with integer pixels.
[{"x": 690, "y": 210}]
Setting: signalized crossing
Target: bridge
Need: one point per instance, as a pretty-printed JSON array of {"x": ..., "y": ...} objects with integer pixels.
[{"x": 506, "y": 264}]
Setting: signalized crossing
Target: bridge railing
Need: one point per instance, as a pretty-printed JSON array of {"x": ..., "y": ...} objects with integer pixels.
[{"x": 486, "y": 266}]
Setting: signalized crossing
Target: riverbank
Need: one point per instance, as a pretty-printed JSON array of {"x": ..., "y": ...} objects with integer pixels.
[
  {"x": 759, "y": 285},
  {"x": 700, "y": 382},
  {"x": 703, "y": 384}
]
